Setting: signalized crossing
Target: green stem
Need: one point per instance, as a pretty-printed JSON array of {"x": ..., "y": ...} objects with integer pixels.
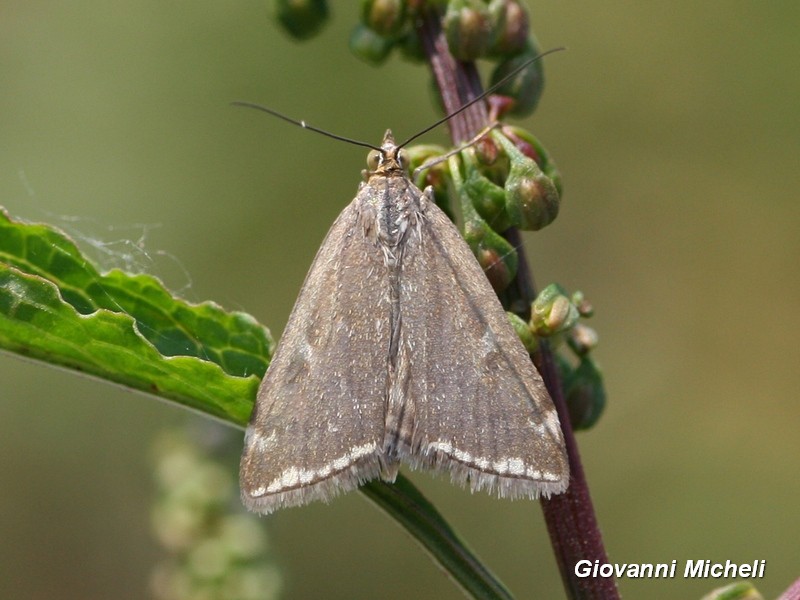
[{"x": 427, "y": 526}]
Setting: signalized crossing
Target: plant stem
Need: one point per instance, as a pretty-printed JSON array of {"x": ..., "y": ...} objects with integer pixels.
[
  {"x": 570, "y": 517},
  {"x": 427, "y": 526}
]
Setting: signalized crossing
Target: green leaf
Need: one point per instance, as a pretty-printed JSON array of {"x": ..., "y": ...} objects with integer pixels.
[{"x": 56, "y": 307}]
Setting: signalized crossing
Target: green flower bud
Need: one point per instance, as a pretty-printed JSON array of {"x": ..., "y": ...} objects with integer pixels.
[
  {"x": 583, "y": 339},
  {"x": 384, "y": 17},
  {"x": 369, "y": 46},
  {"x": 467, "y": 28},
  {"x": 529, "y": 340},
  {"x": 486, "y": 151},
  {"x": 301, "y": 19},
  {"x": 531, "y": 147},
  {"x": 510, "y": 27},
  {"x": 411, "y": 47},
  {"x": 552, "y": 311},
  {"x": 436, "y": 176},
  {"x": 526, "y": 86},
  {"x": 585, "y": 394},
  {"x": 584, "y": 307},
  {"x": 488, "y": 198},
  {"x": 420, "y": 154},
  {"x": 532, "y": 198},
  {"x": 495, "y": 255}
]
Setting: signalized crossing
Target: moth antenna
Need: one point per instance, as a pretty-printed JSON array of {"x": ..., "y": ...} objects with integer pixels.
[
  {"x": 304, "y": 125},
  {"x": 341, "y": 138},
  {"x": 488, "y": 92}
]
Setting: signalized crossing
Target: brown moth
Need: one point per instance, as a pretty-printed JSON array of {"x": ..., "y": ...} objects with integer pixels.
[{"x": 398, "y": 351}]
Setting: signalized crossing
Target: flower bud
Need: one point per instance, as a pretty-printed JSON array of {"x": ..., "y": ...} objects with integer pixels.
[
  {"x": 411, "y": 47},
  {"x": 370, "y": 46},
  {"x": 532, "y": 199},
  {"x": 585, "y": 394},
  {"x": 486, "y": 151},
  {"x": 584, "y": 307},
  {"x": 488, "y": 198},
  {"x": 301, "y": 19},
  {"x": 583, "y": 339},
  {"x": 384, "y": 17},
  {"x": 533, "y": 196},
  {"x": 531, "y": 147},
  {"x": 435, "y": 176},
  {"x": 467, "y": 28},
  {"x": 496, "y": 256},
  {"x": 526, "y": 86},
  {"x": 552, "y": 311},
  {"x": 509, "y": 27},
  {"x": 529, "y": 340}
]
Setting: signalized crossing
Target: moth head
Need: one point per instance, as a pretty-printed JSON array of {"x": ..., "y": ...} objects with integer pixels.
[{"x": 389, "y": 158}]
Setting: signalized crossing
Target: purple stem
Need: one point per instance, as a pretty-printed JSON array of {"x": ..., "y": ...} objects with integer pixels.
[
  {"x": 793, "y": 593},
  {"x": 570, "y": 517}
]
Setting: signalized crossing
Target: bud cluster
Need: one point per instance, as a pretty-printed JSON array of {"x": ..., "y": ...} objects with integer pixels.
[
  {"x": 211, "y": 552},
  {"x": 505, "y": 180},
  {"x": 557, "y": 316},
  {"x": 498, "y": 30}
]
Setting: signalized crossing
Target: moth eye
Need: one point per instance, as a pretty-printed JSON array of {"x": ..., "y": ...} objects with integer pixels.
[
  {"x": 373, "y": 160},
  {"x": 402, "y": 157}
]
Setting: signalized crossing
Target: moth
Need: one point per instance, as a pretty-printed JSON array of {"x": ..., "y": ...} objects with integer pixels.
[{"x": 398, "y": 352}]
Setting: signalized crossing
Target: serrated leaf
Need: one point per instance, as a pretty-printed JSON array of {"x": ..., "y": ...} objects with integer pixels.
[{"x": 56, "y": 307}]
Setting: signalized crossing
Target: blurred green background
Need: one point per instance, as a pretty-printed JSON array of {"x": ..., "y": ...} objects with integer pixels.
[{"x": 676, "y": 128}]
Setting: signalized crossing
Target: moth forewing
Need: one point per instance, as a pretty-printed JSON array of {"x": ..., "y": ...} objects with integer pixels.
[
  {"x": 317, "y": 427},
  {"x": 483, "y": 413}
]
